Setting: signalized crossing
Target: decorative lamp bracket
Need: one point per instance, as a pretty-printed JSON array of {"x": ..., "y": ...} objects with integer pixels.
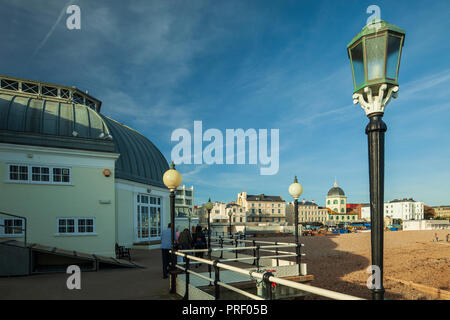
[{"x": 375, "y": 104}]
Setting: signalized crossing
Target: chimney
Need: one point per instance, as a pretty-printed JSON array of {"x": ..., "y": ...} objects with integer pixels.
[
  {"x": 312, "y": 201},
  {"x": 303, "y": 201}
]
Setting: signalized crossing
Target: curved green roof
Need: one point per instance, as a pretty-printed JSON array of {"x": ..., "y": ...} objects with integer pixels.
[
  {"x": 140, "y": 160},
  {"x": 29, "y": 120}
]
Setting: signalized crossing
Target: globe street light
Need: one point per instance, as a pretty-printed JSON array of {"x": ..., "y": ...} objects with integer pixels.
[
  {"x": 295, "y": 190},
  {"x": 172, "y": 180},
  {"x": 208, "y": 206},
  {"x": 230, "y": 213},
  {"x": 375, "y": 59}
]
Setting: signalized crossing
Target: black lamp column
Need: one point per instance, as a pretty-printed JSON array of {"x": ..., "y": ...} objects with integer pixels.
[
  {"x": 375, "y": 132},
  {"x": 209, "y": 229},
  {"x": 296, "y": 219},
  {"x": 172, "y": 230},
  {"x": 297, "y": 257}
]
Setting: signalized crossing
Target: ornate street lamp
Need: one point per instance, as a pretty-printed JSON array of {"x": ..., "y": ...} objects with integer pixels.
[
  {"x": 375, "y": 59},
  {"x": 172, "y": 180},
  {"x": 208, "y": 206},
  {"x": 230, "y": 214},
  {"x": 189, "y": 216},
  {"x": 295, "y": 190}
]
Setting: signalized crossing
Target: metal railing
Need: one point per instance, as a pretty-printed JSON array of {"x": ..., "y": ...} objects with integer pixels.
[
  {"x": 24, "y": 228},
  {"x": 266, "y": 277}
]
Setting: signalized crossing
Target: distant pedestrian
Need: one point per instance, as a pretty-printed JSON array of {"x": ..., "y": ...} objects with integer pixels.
[
  {"x": 166, "y": 246},
  {"x": 199, "y": 241},
  {"x": 447, "y": 237},
  {"x": 185, "y": 240},
  {"x": 436, "y": 237}
]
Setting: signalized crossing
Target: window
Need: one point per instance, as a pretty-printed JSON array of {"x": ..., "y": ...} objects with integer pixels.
[
  {"x": 273, "y": 211},
  {"x": 61, "y": 175},
  {"x": 18, "y": 173},
  {"x": 329, "y": 201},
  {"x": 39, "y": 174},
  {"x": 279, "y": 210},
  {"x": 76, "y": 226},
  {"x": 335, "y": 202},
  {"x": 342, "y": 201},
  {"x": 148, "y": 224},
  {"x": 85, "y": 225},
  {"x": 11, "y": 227}
]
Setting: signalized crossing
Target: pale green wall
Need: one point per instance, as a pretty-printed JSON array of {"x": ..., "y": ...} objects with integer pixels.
[
  {"x": 42, "y": 204},
  {"x": 125, "y": 217},
  {"x": 126, "y": 192}
]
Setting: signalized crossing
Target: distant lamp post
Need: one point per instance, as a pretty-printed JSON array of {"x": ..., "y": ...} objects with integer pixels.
[
  {"x": 208, "y": 206},
  {"x": 189, "y": 216},
  {"x": 295, "y": 190},
  {"x": 172, "y": 180},
  {"x": 230, "y": 214},
  {"x": 375, "y": 59}
]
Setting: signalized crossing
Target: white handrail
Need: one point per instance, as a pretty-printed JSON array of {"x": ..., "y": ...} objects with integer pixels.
[{"x": 318, "y": 291}]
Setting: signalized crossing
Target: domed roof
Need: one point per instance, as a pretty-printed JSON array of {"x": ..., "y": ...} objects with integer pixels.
[
  {"x": 336, "y": 191},
  {"x": 140, "y": 160},
  {"x": 34, "y": 121}
]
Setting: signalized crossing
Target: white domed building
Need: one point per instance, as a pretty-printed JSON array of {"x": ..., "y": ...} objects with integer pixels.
[{"x": 336, "y": 199}]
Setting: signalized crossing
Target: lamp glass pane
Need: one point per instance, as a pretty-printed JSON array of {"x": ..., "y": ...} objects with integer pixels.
[
  {"x": 375, "y": 50},
  {"x": 358, "y": 64},
  {"x": 393, "y": 50}
]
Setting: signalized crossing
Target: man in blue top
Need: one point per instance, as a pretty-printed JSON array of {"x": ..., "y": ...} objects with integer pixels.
[{"x": 166, "y": 246}]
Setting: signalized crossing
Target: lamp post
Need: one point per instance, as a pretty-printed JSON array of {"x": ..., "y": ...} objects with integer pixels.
[
  {"x": 172, "y": 180},
  {"x": 230, "y": 214},
  {"x": 295, "y": 190},
  {"x": 189, "y": 216},
  {"x": 375, "y": 59},
  {"x": 208, "y": 206}
]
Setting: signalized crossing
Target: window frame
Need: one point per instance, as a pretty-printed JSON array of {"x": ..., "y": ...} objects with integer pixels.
[
  {"x": 76, "y": 226},
  {"x": 11, "y": 235},
  {"x": 30, "y": 180}
]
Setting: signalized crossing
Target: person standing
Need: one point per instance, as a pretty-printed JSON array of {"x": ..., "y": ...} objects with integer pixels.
[
  {"x": 199, "y": 242},
  {"x": 436, "y": 237},
  {"x": 185, "y": 240},
  {"x": 166, "y": 246}
]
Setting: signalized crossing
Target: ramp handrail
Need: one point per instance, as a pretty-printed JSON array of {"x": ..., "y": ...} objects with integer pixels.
[{"x": 268, "y": 278}]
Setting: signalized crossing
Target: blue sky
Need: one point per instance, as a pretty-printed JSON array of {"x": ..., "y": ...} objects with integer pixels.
[{"x": 160, "y": 65}]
